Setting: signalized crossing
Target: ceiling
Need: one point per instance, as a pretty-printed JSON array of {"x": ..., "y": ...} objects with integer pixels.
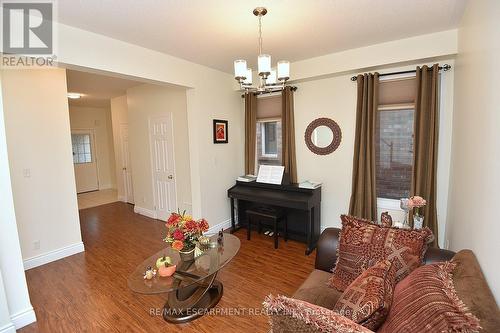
[
  {"x": 216, "y": 32},
  {"x": 97, "y": 89}
]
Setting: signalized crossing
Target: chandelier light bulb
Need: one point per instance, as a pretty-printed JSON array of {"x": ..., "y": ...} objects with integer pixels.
[
  {"x": 271, "y": 79},
  {"x": 283, "y": 70},
  {"x": 264, "y": 64},
  {"x": 240, "y": 69},
  {"x": 248, "y": 79}
]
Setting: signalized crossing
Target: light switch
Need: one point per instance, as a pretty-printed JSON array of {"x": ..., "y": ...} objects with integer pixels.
[{"x": 26, "y": 173}]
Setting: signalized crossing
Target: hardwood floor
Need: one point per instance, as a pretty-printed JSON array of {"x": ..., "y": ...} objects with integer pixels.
[{"x": 88, "y": 292}]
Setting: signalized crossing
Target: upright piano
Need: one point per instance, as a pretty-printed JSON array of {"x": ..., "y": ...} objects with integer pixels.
[{"x": 303, "y": 207}]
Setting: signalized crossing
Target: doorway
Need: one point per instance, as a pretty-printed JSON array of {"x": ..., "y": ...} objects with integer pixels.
[
  {"x": 162, "y": 163},
  {"x": 85, "y": 160}
]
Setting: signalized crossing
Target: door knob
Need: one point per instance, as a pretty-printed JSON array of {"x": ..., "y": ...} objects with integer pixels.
[{"x": 170, "y": 177}]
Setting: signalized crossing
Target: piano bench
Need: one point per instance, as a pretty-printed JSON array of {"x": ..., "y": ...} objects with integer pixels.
[{"x": 273, "y": 215}]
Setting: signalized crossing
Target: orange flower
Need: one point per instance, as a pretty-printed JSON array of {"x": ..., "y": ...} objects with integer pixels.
[{"x": 177, "y": 245}]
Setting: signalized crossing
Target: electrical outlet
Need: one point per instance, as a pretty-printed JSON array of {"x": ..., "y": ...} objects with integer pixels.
[
  {"x": 36, "y": 245},
  {"x": 26, "y": 173},
  {"x": 144, "y": 199}
]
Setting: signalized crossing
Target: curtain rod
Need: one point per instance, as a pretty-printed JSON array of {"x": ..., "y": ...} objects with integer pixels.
[
  {"x": 445, "y": 68},
  {"x": 294, "y": 88}
]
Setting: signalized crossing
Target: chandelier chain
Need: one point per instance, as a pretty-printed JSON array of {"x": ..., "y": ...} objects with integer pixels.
[{"x": 260, "y": 34}]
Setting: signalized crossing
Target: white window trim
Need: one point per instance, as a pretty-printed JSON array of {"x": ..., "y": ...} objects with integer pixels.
[
  {"x": 263, "y": 135},
  {"x": 388, "y": 204}
]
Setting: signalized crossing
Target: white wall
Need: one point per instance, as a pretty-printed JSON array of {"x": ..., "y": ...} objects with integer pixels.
[
  {"x": 41, "y": 164},
  {"x": 119, "y": 117},
  {"x": 335, "y": 98},
  {"x": 213, "y": 167},
  {"x": 13, "y": 285},
  {"x": 98, "y": 119},
  {"x": 145, "y": 101},
  {"x": 475, "y": 178}
]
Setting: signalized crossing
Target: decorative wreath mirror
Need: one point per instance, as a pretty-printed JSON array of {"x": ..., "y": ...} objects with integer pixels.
[{"x": 323, "y": 136}]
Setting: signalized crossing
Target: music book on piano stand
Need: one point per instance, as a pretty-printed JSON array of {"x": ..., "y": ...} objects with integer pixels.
[{"x": 270, "y": 174}]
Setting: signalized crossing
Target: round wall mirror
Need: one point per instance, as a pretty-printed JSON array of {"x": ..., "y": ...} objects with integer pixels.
[{"x": 323, "y": 136}]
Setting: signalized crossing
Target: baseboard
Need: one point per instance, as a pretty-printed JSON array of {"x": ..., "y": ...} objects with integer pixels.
[
  {"x": 23, "y": 318},
  {"x": 216, "y": 228},
  {"x": 9, "y": 328},
  {"x": 144, "y": 211},
  {"x": 54, "y": 255}
]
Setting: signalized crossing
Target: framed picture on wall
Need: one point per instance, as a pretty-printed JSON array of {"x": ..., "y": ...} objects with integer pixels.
[{"x": 220, "y": 131}]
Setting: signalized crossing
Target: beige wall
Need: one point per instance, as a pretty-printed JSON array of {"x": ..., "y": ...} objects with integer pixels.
[
  {"x": 143, "y": 102},
  {"x": 41, "y": 165},
  {"x": 119, "y": 117},
  {"x": 475, "y": 175},
  {"x": 98, "y": 119},
  {"x": 14, "y": 297},
  {"x": 335, "y": 98}
]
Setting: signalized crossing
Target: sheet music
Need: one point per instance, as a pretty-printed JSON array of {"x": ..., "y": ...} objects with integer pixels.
[{"x": 270, "y": 174}]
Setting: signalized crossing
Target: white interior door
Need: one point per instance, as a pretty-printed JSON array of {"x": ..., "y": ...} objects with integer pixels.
[
  {"x": 126, "y": 165},
  {"x": 162, "y": 161},
  {"x": 84, "y": 160}
]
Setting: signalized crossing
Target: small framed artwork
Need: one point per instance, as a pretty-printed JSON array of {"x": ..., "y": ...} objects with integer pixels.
[{"x": 220, "y": 131}]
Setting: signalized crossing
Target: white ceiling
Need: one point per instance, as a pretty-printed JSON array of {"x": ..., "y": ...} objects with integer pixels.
[
  {"x": 216, "y": 32},
  {"x": 97, "y": 89}
]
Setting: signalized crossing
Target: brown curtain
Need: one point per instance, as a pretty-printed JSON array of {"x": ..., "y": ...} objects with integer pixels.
[
  {"x": 426, "y": 143},
  {"x": 250, "y": 132},
  {"x": 288, "y": 135},
  {"x": 364, "y": 196}
]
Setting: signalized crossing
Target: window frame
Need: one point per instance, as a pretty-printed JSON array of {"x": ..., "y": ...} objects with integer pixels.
[{"x": 261, "y": 123}]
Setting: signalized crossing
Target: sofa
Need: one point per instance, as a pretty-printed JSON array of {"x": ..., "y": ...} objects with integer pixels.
[{"x": 469, "y": 282}]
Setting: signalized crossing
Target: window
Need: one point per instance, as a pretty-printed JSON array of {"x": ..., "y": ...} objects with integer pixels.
[
  {"x": 269, "y": 139},
  {"x": 394, "y": 138},
  {"x": 268, "y": 142},
  {"x": 82, "y": 152},
  {"x": 268, "y": 130},
  {"x": 394, "y": 152}
]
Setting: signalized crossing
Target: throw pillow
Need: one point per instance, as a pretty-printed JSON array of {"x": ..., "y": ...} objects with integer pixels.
[
  {"x": 426, "y": 301},
  {"x": 363, "y": 243},
  {"x": 292, "y": 315},
  {"x": 368, "y": 299}
]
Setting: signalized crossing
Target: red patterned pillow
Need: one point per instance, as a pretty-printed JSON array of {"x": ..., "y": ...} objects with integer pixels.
[
  {"x": 368, "y": 299},
  {"x": 363, "y": 243},
  {"x": 293, "y": 315},
  {"x": 426, "y": 301}
]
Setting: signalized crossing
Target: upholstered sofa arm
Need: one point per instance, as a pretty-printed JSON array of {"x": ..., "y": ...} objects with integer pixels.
[
  {"x": 326, "y": 250},
  {"x": 288, "y": 315}
]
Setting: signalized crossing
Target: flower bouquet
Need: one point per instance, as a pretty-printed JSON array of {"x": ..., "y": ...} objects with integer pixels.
[
  {"x": 183, "y": 233},
  {"x": 417, "y": 202}
]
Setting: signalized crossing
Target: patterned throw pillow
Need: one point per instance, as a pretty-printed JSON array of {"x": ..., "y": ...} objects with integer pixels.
[
  {"x": 363, "y": 243},
  {"x": 368, "y": 299},
  {"x": 426, "y": 301},
  {"x": 293, "y": 315}
]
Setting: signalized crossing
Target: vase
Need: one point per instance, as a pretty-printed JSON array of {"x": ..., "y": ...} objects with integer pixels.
[
  {"x": 187, "y": 255},
  {"x": 405, "y": 207},
  {"x": 418, "y": 221}
]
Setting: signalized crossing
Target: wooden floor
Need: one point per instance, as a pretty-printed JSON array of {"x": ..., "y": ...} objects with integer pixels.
[{"x": 88, "y": 292}]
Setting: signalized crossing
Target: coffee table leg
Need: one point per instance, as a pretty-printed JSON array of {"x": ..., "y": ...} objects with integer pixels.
[{"x": 191, "y": 302}]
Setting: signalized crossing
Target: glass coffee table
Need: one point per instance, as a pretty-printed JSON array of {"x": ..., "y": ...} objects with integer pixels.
[{"x": 193, "y": 289}]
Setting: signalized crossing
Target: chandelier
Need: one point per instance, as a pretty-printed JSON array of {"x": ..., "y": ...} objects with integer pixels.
[{"x": 270, "y": 79}]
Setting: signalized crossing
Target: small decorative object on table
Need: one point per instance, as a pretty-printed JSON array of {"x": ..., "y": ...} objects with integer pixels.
[
  {"x": 418, "y": 219},
  {"x": 405, "y": 206},
  {"x": 167, "y": 270},
  {"x": 183, "y": 234},
  {"x": 150, "y": 273},
  {"x": 220, "y": 238}
]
